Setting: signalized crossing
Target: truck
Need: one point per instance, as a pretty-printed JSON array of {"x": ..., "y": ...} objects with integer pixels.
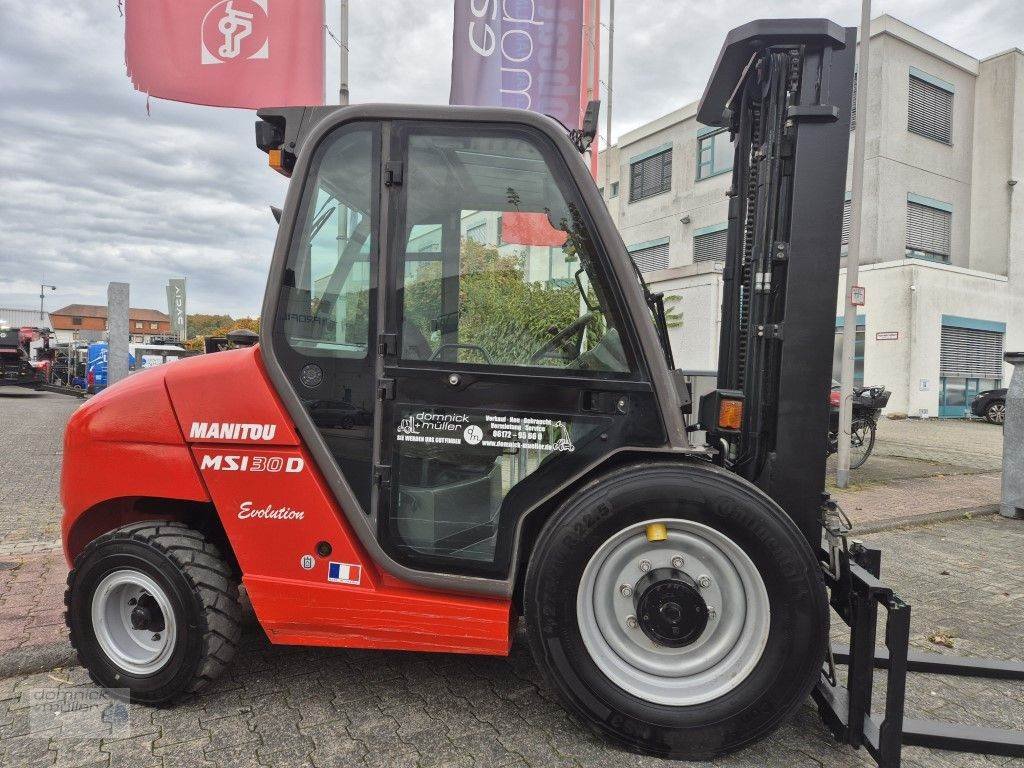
[{"x": 17, "y": 369}]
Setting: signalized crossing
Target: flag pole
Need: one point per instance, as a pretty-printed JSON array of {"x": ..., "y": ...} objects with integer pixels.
[
  {"x": 343, "y": 35},
  {"x": 608, "y": 90}
]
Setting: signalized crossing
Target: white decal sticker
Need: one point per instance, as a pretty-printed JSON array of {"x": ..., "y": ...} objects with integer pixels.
[
  {"x": 247, "y": 511},
  {"x": 494, "y": 431},
  {"x": 344, "y": 573},
  {"x": 219, "y": 430},
  {"x": 307, "y": 562},
  {"x": 228, "y": 463}
]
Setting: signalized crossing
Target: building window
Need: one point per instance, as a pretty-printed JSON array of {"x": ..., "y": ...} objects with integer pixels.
[
  {"x": 930, "y": 110},
  {"x": 709, "y": 243},
  {"x": 853, "y": 103},
  {"x": 76, "y": 319},
  {"x": 858, "y": 352},
  {"x": 929, "y": 229},
  {"x": 970, "y": 361},
  {"x": 650, "y": 256},
  {"x": 600, "y": 191},
  {"x": 847, "y": 216},
  {"x": 138, "y": 325},
  {"x": 650, "y": 175},
  {"x": 478, "y": 233},
  {"x": 714, "y": 153},
  {"x": 615, "y": 189},
  {"x": 154, "y": 326}
]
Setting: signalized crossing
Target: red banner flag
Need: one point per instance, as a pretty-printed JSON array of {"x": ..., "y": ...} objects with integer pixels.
[{"x": 227, "y": 53}]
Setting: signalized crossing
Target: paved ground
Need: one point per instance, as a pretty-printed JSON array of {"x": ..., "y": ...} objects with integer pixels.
[
  {"x": 321, "y": 707},
  {"x": 31, "y": 437},
  {"x": 924, "y": 466}
]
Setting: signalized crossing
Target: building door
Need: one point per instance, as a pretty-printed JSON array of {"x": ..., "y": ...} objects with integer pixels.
[{"x": 970, "y": 360}]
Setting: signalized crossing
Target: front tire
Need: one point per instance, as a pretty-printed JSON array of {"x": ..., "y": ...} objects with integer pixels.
[
  {"x": 692, "y": 692},
  {"x": 153, "y": 608}
]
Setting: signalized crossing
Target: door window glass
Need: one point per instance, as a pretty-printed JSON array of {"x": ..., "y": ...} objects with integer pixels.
[
  {"x": 497, "y": 266},
  {"x": 328, "y": 279}
]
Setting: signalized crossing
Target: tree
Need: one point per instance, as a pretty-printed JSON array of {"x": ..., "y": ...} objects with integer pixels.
[
  {"x": 199, "y": 341},
  {"x": 203, "y": 325}
]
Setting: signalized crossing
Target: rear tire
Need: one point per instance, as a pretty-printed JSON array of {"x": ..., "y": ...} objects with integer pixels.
[
  {"x": 153, "y": 608},
  {"x": 774, "y": 676}
]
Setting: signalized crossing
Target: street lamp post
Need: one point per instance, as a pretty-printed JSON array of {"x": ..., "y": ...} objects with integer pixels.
[
  {"x": 853, "y": 253},
  {"x": 42, "y": 294}
]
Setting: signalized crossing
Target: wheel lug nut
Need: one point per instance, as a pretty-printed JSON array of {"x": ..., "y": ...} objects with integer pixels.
[
  {"x": 645, "y": 565},
  {"x": 677, "y": 562},
  {"x": 625, "y": 590},
  {"x": 631, "y": 622},
  {"x": 704, "y": 582},
  {"x": 712, "y": 613},
  {"x": 156, "y": 637}
]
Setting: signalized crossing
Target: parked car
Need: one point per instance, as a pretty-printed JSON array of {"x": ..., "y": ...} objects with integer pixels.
[{"x": 990, "y": 405}]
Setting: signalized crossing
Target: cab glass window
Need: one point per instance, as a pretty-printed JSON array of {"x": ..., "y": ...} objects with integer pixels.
[
  {"x": 497, "y": 267},
  {"x": 327, "y": 281}
]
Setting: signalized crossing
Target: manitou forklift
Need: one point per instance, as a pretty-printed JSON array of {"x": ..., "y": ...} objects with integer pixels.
[{"x": 463, "y": 412}]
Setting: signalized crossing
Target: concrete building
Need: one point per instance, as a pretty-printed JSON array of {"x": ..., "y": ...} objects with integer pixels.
[
  {"x": 943, "y": 221},
  {"x": 88, "y": 322}
]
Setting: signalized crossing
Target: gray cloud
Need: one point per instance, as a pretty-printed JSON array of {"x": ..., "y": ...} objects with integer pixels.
[{"x": 92, "y": 189}]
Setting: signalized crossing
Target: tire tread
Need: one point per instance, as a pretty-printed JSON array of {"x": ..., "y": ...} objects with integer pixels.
[{"x": 211, "y": 583}]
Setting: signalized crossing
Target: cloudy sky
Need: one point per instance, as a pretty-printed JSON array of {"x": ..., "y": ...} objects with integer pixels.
[{"x": 93, "y": 190}]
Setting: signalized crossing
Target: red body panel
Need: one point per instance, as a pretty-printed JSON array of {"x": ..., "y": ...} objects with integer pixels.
[
  {"x": 245, "y": 455},
  {"x": 120, "y": 445}
]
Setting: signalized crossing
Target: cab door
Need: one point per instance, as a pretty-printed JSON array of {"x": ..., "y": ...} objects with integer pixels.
[
  {"x": 508, "y": 366},
  {"x": 324, "y": 324}
]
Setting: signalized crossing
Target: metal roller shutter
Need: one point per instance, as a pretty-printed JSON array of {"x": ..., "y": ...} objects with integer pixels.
[
  {"x": 650, "y": 176},
  {"x": 971, "y": 353},
  {"x": 650, "y": 259},
  {"x": 930, "y": 111},
  {"x": 710, "y": 246},
  {"x": 928, "y": 229}
]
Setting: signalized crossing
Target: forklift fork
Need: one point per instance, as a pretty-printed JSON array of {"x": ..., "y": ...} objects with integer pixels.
[{"x": 856, "y": 595}]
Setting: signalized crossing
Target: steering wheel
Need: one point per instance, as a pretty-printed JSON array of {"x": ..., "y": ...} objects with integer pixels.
[{"x": 568, "y": 332}]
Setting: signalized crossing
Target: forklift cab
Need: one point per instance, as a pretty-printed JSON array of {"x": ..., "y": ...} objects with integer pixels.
[{"x": 455, "y": 329}]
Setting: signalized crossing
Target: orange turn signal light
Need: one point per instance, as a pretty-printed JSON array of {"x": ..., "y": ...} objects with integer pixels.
[
  {"x": 730, "y": 414},
  {"x": 275, "y": 158}
]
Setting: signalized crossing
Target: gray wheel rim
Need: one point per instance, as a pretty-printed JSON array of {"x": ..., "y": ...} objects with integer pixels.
[
  {"x": 136, "y": 651},
  {"x": 725, "y": 653},
  {"x": 997, "y": 413}
]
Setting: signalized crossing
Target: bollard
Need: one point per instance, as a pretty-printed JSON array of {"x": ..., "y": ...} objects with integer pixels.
[{"x": 1013, "y": 441}]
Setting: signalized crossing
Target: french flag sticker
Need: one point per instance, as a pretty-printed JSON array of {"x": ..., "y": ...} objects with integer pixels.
[{"x": 344, "y": 573}]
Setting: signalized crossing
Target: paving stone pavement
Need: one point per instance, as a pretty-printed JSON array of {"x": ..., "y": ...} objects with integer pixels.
[{"x": 324, "y": 707}]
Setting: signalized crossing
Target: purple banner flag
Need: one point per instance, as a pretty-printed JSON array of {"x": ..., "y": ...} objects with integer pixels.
[{"x": 519, "y": 53}]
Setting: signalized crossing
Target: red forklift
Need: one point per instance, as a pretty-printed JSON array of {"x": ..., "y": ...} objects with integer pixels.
[{"x": 430, "y": 444}]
